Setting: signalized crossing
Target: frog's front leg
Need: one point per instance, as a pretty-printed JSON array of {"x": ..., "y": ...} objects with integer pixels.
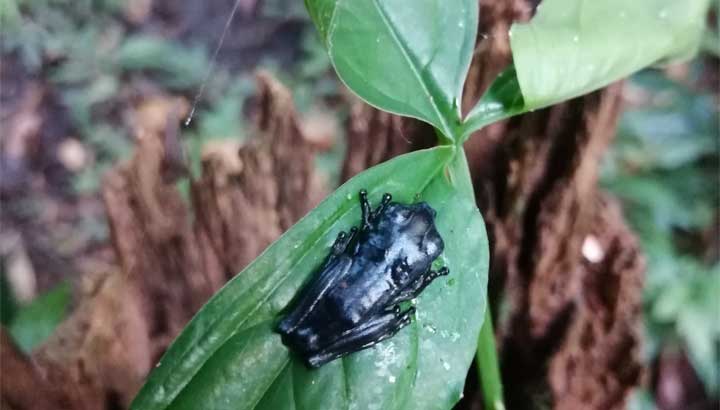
[
  {"x": 366, "y": 210},
  {"x": 342, "y": 241},
  {"x": 415, "y": 288},
  {"x": 369, "y": 333},
  {"x": 368, "y": 215},
  {"x": 381, "y": 208}
]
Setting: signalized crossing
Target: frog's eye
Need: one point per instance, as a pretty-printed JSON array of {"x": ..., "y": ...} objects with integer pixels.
[
  {"x": 403, "y": 214},
  {"x": 418, "y": 226},
  {"x": 401, "y": 218}
]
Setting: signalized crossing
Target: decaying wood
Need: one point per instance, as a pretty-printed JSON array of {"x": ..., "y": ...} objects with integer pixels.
[
  {"x": 105, "y": 348},
  {"x": 547, "y": 274},
  {"x": 598, "y": 360},
  {"x": 375, "y": 136},
  {"x": 171, "y": 258},
  {"x": 154, "y": 241},
  {"x": 245, "y": 201},
  {"x": 25, "y": 385}
]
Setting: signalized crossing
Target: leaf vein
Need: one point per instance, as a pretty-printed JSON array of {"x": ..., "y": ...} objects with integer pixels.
[{"x": 413, "y": 67}]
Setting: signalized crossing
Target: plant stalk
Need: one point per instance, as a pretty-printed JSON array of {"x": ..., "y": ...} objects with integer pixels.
[{"x": 488, "y": 367}]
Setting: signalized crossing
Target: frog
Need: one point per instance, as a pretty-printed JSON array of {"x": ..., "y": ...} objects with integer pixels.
[{"x": 355, "y": 299}]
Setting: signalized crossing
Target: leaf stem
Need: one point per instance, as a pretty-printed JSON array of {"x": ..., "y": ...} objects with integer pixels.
[
  {"x": 442, "y": 138},
  {"x": 488, "y": 367}
]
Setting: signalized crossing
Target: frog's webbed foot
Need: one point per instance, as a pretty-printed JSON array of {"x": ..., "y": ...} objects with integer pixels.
[
  {"x": 365, "y": 335},
  {"x": 415, "y": 288}
]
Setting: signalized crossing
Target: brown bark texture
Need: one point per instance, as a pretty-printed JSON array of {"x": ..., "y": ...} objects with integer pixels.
[
  {"x": 562, "y": 259},
  {"x": 171, "y": 258}
]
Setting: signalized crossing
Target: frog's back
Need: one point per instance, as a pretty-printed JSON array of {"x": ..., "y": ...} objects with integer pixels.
[{"x": 361, "y": 292}]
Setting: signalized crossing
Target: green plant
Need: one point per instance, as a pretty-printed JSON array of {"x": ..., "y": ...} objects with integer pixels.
[
  {"x": 409, "y": 57},
  {"x": 34, "y": 322},
  {"x": 666, "y": 197},
  {"x": 84, "y": 50},
  {"x": 682, "y": 311}
]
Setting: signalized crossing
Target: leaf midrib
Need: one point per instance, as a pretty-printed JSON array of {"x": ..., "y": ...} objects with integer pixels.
[{"x": 409, "y": 58}]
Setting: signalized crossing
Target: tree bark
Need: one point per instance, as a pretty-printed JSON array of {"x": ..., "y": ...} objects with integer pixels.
[{"x": 171, "y": 258}]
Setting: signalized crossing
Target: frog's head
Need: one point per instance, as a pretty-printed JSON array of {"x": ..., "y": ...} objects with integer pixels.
[
  {"x": 414, "y": 223},
  {"x": 418, "y": 216}
]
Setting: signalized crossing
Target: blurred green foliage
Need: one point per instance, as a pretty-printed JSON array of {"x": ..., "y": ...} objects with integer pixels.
[
  {"x": 90, "y": 55},
  {"x": 711, "y": 39},
  {"x": 664, "y": 167},
  {"x": 97, "y": 64},
  {"x": 32, "y": 323},
  {"x": 175, "y": 66},
  {"x": 641, "y": 400}
]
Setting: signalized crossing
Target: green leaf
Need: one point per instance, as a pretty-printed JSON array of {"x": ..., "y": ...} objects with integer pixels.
[
  {"x": 571, "y": 48},
  {"x": 658, "y": 202},
  {"x": 641, "y": 399},
  {"x": 35, "y": 322},
  {"x": 502, "y": 100},
  {"x": 711, "y": 43},
  {"x": 10, "y": 14},
  {"x": 488, "y": 366},
  {"x": 409, "y": 57},
  {"x": 670, "y": 303},
  {"x": 675, "y": 116},
  {"x": 695, "y": 325},
  {"x": 229, "y": 356},
  {"x": 698, "y": 325},
  {"x": 683, "y": 305}
]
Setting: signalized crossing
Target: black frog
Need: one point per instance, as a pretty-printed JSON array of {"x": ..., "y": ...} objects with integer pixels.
[{"x": 353, "y": 301}]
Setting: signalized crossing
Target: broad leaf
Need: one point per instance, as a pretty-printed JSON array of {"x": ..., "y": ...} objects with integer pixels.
[
  {"x": 229, "y": 357},
  {"x": 409, "y": 57},
  {"x": 571, "y": 47}
]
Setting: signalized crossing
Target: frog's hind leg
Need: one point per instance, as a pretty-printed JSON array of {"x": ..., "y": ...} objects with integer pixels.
[
  {"x": 415, "y": 288},
  {"x": 365, "y": 335},
  {"x": 336, "y": 265}
]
